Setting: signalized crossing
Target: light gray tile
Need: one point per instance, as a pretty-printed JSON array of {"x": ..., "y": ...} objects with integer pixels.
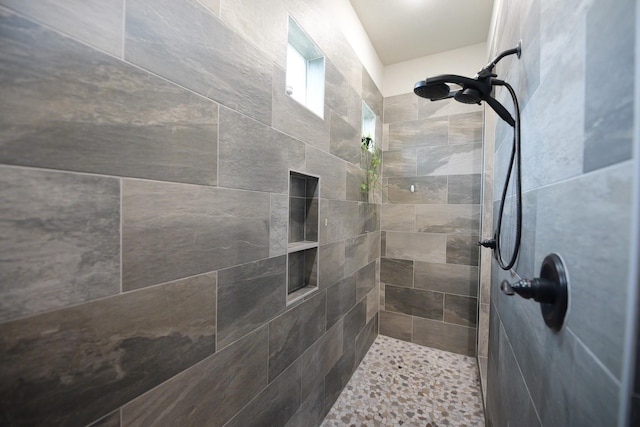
[
  {"x": 398, "y": 218},
  {"x": 415, "y": 302},
  {"x": 248, "y": 296},
  {"x": 278, "y": 235},
  {"x": 466, "y": 128},
  {"x": 336, "y": 90},
  {"x": 450, "y": 160},
  {"x": 373, "y": 303},
  {"x": 104, "y": 350},
  {"x": 450, "y": 278},
  {"x": 427, "y": 189},
  {"x": 60, "y": 241},
  {"x": 396, "y": 272},
  {"x": 451, "y": 219},
  {"x": 341, "y": 219},
  {"x": 418, "y": 133},
  {"x": 331, "y": 170},
  {"x": 462, "y": 249},
  {"x": 344, "y": 140},
  {"x": 95, "y": 22},
  {"x": 255, "y": 157},
  {"x": 444, "y": 336},
  {"x": 332, "y": 261},
  {"x": 356, "y": 176},
  {"x": 185, "y": 43},
  {"x": 416, "y": 246},
  {"x": 460, "y": 310},
  {"x": 175, "y": 230},
  {"x": 365, "y": 281},
  {"x": 369, "y": 217},
  {"x": 399, "y": 163},
  {"x": 356, "y": 253},
  {"x": 371, "y": 94},
  {"x": 400, "y": 108},
  {"x": 446, "y": 107},
  {"x": 82, "y": 110},
  {"x": 396, "y": 325},
  {"x": 464, "y": 189},
  {"x": 209, "y": 393}
]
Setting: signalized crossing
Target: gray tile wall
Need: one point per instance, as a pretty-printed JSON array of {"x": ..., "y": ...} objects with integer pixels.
[
  {"x": 145, "y": 150},
  {"x": 429, "y": 265},
  {"x": 578, "y": 182}
]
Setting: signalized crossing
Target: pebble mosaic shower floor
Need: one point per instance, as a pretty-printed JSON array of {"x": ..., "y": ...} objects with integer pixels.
[{"x": 404, "y": 384}]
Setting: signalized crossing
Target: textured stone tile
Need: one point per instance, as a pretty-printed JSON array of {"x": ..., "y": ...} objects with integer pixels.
[
  {"x": 373, "y": 303},
  {"x": 111, "y": 420},
  {"x": 336, "y": 90},
  {"x": 365, "y": 339},
  {"x": 209, "y": 393},
  {"x": 311, "y": 411},
  {"x": 365, "y": 280},
  {"x": 464, "y": 189},
  {"x": 341, "y": 297},
  {"x": 98, "y": 23},
  {"x": 264, "y": 24},
  {"x": 447, "y": 107},
  {"x": 67, "y": 106},
  {"x": 398, "y": 218},
  {"x": 466, "y": 128},
  {"x": 396, "y": 325},
  {"x": 276, "y": 404},
  {"x": 399, "y": 163},
  {"x": 320, "y": 358},
  {"x": 331, "y": 263},
  {"x": 356, "y": 253},
  {"x": 427, "y": 189},
  {"x": 356, "y": 176},
  {"x": 460, "y": 310},
  {"x": 103, "y": 351},
  {"x": 294, "y": 331},
  {"x": 341, "y": 219},
  {"x": 174, "y": 230},
  {"x": 297, "y": 216},
  {"x": 373, "y": 246},
  {"x": 444, "y": 336},
  {"x": 450, "y": 160},
  {"x": 483, "y": 339},
  {"x": 418, "y": 133},
  {"x": 462, "y": 249},
  {"x": 278, "y": 234},
  {"x": 416, "y": 246},
  {"x": 332, "y": 172},
  {"x": 400, "y": 108},
  {"x": 414, "y": 302},
  {"x": 338, "y": 377},
  {"x": 185, "y": 43},
  {"x": 608, "y": 111},
  {"x": 254, "y": 156},
  {"x": 450, "y": 278},
  {"x": 369, "y": 217},
  {"x": 60, "y": 241},
  {"x": 450, "y": 219},
  {"x": 248, "y": 296},
  {"x": 396, "y": 272},
  {"x": 371, "y": 94},
  {"x": 344, "y": 140}
]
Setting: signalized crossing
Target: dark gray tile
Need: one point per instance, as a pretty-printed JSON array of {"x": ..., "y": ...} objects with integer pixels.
[
  {"x": 398, "y": 218},
  {"x": 332, "y": 172},
  {"x": 175, "y": 41},
  {"x": 466, "y": 128},
  {"x": 464, "y": 189},
  {"x": 526, "y": 263},
  {"x": 60, "y": 240},
  {"x": 373, "y": 246},
  {"x": 174, "y": 230},
  {"x": 276, "y": 404},
  {"x": 401, "y": 163},
  {"x": 248, "y": 296},
  {"x": 98, "y": 114},
  {"x": 294, "y": 331},
  {"x": 608, "y": 114},
  {"x": 400, "y": 108},
  {"x": 336, "y": 90},
  {"x": 311, "y": 411},
  {"x": 354, "y": 322},
  {"x": 341, "y": 219},
  {"x": 108, "y": 352},
  {"x": 209, "y": 393},
  {"x": 414, "y": 302},
  {"x": 339, "y": 376},
  {"x": 427, "y": 189},
  {"x": 460, "y": 310},
  {"x": 418, "y": 133},
  {"x": 365, "y": 339},
  {"x": 444, "y": 336},
  {"x": 396, "y": 325},
  {"x": 462, "y": 249},
  {"x": 356, "y": 253},
  {"x": 297, "y": 216},
  {"x": 450, "y": 160},
  {"x": 254, "y": 156},
  {"x": 449, "y": 219},
  {"x": 450, "y": 278},
  {"x": 356, "y": 176},
  {"x": 416, "y": 246},
  {"x": 344, "y": 140},
  {"x": 341, "y": 297},
  {"x": 396, "y": 272},
  {"x": 331, "y": 263},
  {"x": 278, "y": 233},
  {"x": 98, "y": 23},
  {"x": 320, "y": 358},
  {"x": 369, "y": 217},
  {"x": 365, "y": 280},
  {"x": 111, "y": 420}
]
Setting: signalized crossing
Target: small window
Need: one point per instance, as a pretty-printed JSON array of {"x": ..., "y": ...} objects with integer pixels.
[
  {"x": 305, "y": 70},
  {"x": 368, "y": 127}
]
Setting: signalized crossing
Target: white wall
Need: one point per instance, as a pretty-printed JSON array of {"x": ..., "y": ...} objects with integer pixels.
[{"x": 467, "y": 61}]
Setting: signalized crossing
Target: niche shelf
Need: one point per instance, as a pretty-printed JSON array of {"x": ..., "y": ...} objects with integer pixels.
[{"x": 302, "y": 253}]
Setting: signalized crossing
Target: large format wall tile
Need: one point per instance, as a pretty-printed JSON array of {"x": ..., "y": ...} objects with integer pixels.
[
  {"x": 418, "y": 133},
  {"x": 59, "y": 240},
  {"x": 255, "y": 157},
  {"x": 460, "y": 310},
  {"x": 371, "y": 94},
  {"x": 321, "y": 357},
  {"x": 341, "y": 220},
  {"x": 445, "y": 336},
  {"x": 209, "y": 393},
  {"x": 401, "y": 163},
  {"x": 66, "y": 106},
  {"x": 462, "y": 249},
  {"x": 96, "y": 22},
  {"x": 331, "y": 263},
  {"x": 398, "y": 218},
  {"x": 341, "y": 297},
  {"x": 450, "y": 160},
  {"x": 466, "y": 128},
  {"x": 400, "y": 108},
  {"x": 185, "y": 43},
  {"x": 427, "y": 189},
  {"x": 416, "y": 246},
  {"x": 248, "y": 296},
  {"x": 332, "y": 172},
  {"x": 450, "y": 278},
  {"x": 464, "y": 189},
  {"x": 450, "y": 219},
  {"x": 175, "y": 230},
  {"x": 396, "y": 272},
  {"x": 447, "y": 107},
  {"x": 365, "y": 280},
  {"x": 345, "y": 140},
  {"x": 71, "y": 366},
  {"x": 278, "y": 233},
  {"x": 415, "y": 302},
  {"x": 396, "y": 325}
]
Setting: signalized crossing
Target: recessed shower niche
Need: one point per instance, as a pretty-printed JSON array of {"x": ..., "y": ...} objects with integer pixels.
[{"x": 302, "y": 277}]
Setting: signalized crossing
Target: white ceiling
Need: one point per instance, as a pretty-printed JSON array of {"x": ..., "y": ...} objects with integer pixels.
[{"x": 406, "y": 29}]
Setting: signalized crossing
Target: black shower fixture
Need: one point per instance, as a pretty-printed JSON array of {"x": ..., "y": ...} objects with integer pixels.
[{"x": 470, "y": 90}]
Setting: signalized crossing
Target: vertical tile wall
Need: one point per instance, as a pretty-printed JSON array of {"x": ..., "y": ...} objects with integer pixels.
[
  {"x": 429, "y": 264},
  {"x": 145, "y": 149},
  {"x": 573, "y": 81}
]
